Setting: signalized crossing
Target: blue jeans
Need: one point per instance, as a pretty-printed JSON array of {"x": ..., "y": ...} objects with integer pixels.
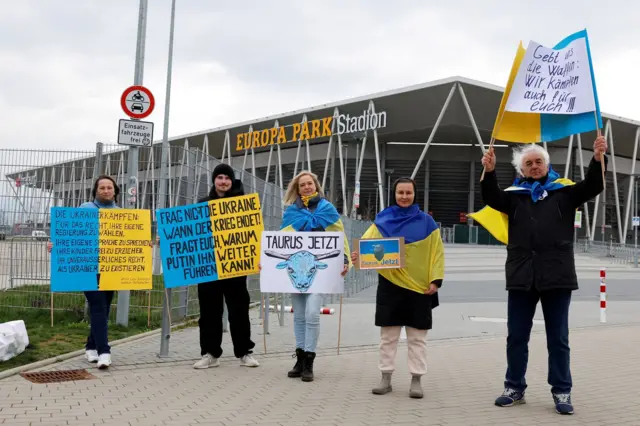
[
  {"x": 521, "y": 309},
  {"x": 99, "y": 304},
  {"x": 306, "y": 320}
]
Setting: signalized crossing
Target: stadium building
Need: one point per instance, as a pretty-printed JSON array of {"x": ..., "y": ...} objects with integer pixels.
[{"x": 435, "y": 132}]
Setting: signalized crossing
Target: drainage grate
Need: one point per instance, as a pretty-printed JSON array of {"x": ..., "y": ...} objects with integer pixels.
[{"x": 58, "y": 376}]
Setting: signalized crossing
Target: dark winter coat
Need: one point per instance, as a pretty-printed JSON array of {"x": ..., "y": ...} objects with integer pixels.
[{"x": 540, "y": 249}]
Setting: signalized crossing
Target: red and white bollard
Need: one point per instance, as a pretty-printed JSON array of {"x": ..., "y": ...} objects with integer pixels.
[
  {"x": 289, "y": 309},
  {"x": 603, "y": 295}
]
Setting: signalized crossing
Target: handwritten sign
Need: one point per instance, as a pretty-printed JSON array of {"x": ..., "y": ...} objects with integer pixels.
[
  {"x": 381, "y": 253},
  {"x": 302, "y": 262},
  {"x": 210, "y": 240},
  {"x": 106, "y": 249},
  {"x": 551, "y": 81},
  {"x": 237, "y": 228},
  {"x": 186, "y": 245}
]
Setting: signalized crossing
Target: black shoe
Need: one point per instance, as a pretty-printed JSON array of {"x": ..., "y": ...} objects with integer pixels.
[
  {"x": 307, "y": 370},
  {"x": 297, "y": 369}
]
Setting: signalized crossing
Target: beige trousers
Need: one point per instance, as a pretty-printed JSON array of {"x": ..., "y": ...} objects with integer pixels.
[{"x": 417, "y": 345}]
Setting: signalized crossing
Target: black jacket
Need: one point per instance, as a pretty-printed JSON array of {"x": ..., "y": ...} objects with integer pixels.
[
  {"x": 236, "y": 190},
  {"x": 540, "y": 249}
]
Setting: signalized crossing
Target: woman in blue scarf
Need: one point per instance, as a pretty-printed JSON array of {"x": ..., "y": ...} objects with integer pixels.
[
  {"x": 406, "y": 296},
  {"x": 308, "y": 211}
]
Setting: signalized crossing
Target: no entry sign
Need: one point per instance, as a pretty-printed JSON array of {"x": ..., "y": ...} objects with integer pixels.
[{"x": 137, "y": 102}]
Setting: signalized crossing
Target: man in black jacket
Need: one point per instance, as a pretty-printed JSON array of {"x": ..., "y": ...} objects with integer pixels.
[
  {"x": 540, "y": 262},
  {"x": 212, "y": 295}
]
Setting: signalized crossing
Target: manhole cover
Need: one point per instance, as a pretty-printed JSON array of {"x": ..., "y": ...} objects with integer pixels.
[{"x": 58, "y": 376}]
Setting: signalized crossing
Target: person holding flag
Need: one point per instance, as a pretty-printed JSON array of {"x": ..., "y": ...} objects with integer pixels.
[
  {"x": 537, "y": 214},
  {"x": 406, "y": 296}
]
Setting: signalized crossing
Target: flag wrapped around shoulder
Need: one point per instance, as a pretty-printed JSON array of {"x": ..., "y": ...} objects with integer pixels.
[
  {"x": 497, "y": 223},
  {"x": 550, "y": 94},
  {"x": 424, "y": 251},
  {"x": 325, "y": 216}
]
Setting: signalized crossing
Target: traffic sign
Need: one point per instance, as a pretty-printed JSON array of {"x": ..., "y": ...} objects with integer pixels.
[
  {"x": 636, "y": 221},
  {"x": 137, "y": 102},
  {"x": 135, "y": 133}
]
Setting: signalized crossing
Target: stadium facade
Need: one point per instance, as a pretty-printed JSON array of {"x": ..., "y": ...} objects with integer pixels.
[{"x": 435, "y": 132}]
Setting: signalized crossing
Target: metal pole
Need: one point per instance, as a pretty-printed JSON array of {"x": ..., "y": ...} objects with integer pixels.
[
  {"x": 122, "y": 313},
  {"x": 162, "y": 190},
  {"x": 635, "y": 202}
]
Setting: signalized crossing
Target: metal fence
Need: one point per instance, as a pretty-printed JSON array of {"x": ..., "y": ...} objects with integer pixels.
[
  {"x": 614, "y": 253},
  {"x": 34, "y": 181}
]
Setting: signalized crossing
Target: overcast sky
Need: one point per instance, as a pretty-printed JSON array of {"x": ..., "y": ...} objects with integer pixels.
[{"x": 64, "y": 64}]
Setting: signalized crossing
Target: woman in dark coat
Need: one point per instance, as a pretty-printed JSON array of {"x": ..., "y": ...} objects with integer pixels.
[{"x": 406, "y": 296}]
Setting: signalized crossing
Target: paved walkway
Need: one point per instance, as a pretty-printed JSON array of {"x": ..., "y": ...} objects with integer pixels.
[
  {"x": 466, "y": 369},
  {"x": 463, "y": 380}
]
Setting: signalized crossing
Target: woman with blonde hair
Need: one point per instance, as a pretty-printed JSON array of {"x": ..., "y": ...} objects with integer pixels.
[{"x": 309, "y": 211}]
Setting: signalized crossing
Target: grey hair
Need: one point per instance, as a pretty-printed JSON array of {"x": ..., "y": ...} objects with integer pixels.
[{"x": 519, "y": 154}]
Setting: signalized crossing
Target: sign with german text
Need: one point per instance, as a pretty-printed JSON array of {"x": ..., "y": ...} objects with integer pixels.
[
  {"x": 554, "y": 81},
  {"x": 135, "y": 133},
  {"x": 212, "y": 240},
  {"x": 380, "y": 253},
  {"x": 302, "y": 262},
  {"x": 100, "y": 250}
]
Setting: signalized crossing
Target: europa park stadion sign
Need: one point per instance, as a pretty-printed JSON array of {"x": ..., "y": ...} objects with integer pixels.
[{"x": 312, "y": 129}]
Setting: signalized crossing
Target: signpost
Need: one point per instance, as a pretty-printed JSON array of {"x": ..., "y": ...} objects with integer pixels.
[{"x": 137, "y": 102}]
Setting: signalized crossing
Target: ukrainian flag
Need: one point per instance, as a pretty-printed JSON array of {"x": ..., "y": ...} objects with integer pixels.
[
  {"x": 521, "y": 127},
  {"x": 424, "y": 251},
  {"x": 325, "y": 216}
]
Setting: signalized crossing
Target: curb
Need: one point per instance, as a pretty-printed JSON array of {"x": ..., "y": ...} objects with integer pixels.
[{"x": 69, "y": 355}]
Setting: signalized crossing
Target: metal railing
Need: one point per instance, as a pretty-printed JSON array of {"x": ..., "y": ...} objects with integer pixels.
[
  {"x": 31, "y": 182},
  {"x": 614, "y": 253}
]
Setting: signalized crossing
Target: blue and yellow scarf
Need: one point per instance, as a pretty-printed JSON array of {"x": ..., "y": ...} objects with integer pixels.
[
  {"x": 497, "y": 223},
  {"x": 424, "y": 251}
]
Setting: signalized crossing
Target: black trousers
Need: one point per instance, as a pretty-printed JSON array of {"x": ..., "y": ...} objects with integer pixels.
[
  {"x": 521, "y": 309},
  {"x": 211, "y": 297}
]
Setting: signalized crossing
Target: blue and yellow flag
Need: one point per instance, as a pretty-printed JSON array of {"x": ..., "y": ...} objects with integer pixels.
[
  {"x": 521, "y": 127},
  {"x": 497, "y": 223},
  {"x": 424, "y": 251},
  {"x": 325, "y": 216}
]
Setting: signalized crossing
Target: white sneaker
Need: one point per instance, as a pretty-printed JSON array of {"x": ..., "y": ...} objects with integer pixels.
[
  {"x": 207, "y": 361},
  {"x": 104, "y": 361},
  {"x": 91, "y": 355},
  {"x": 249, "y": 361}
]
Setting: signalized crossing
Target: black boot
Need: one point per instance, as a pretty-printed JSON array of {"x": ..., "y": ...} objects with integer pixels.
[
  {"x": 307, "y": 371},
  {"x": 297, "y": 369}
]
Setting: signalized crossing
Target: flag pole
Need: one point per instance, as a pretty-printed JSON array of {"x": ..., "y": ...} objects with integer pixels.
[
  {"x": 493, "y": 139},
  {"x": 599, "y": 133}
]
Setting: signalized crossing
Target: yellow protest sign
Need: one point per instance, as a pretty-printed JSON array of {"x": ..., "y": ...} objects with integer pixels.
[
  {"x": 237, "y": 225},
  {"x": 125, "y": 258}
]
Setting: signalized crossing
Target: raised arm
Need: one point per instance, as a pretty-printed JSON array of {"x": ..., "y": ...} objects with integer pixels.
[
  {"x": 491, "y": 193},
  {"x": 593, "y": 184}
]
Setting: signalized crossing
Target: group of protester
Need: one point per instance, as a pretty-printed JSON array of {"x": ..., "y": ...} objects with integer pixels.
[{"x": 539, "y": 208}]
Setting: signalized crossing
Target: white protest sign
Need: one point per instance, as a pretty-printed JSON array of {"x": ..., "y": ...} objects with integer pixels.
[
  {"x": 553, "y": 81},
  {"x": 302, "y": 262}
]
